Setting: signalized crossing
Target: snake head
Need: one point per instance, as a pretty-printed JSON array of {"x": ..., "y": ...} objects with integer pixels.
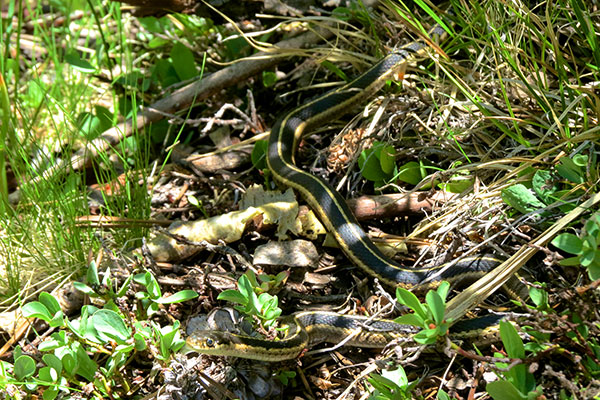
[{"x": 206, "y": 342}]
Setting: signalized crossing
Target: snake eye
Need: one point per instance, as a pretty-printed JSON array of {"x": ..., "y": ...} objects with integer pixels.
[{"x": 209, "y": 342}]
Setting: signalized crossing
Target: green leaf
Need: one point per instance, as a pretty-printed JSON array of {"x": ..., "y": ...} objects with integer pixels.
[
  {"x": 569, "y": 170},
  {"x": 179, "y": 297},
  {"x": 397, "y": 376},
  {"x": 592, "y": 226},
  {"x": 183, "y": 62},
  {"x": 427, "y": 336},
  {"x": 411, "y": 301},
  {"x": 165, "y": 73},
  {"x": 259, "y": 154},
  {"x": 580, "y": 160},
  {"x": 92, "y": 274},
  {"x": 139, "y": 341},
  {"x": 24, "y": 367},
  {"x": 35, "y": 309},
  {"x": 124, "y": 287},
  {"x": 442, "y": 395},
  {"x": 335, "y": 69},
  {"x": 58, "y": 339},
  {"x": 50, "y": 393},
  {"x": 150, "y": 282},
  {"x": 387, "y": 159},
  {"x": 193, "y": 200},
  {"x": 157, "y": 42},
  {"x": 57, "y": 320},
  {"x": 17, "y": 352},
  {"x": 110, "y": 326},
  {"x": 544, "y": 185},
  {"x": 436, "y": 306},
  {"x": 458, "y": 183},
  {"x": 52, "y": 361},
  {"x": 568, "y": 242},
  {"x": 411, "y": 319},
  {"x": 85, "y": 367},
  {"x": 69, "y": 364},
  {"x": 72, "y": 58},
  {"x": 594, "y": 270},
  {"x": 82, "y": 287},
  {"x": 245, "y": 287},
  {"x": 410, "y": 173},
  {"x": 233, "y": 296},
  {"x": 153, "y": 24},
  {"x": 50, "y": 302},
  {"x": 370, "y": 166},
  {"x": 571, "y": 261},
  {"x": 89, "y": 125},
  {"x": 520, "y": 198},
  {"x": 539, "y": 297},
  {"x": 381, "y": 383},
  {"x": 504, "y": 390},
  {"x": 587, "y": 257},
  {"x": 443, "y": 290},
  {"x": 168, "y": 335},
  {"x": 35, "y": 93},
  {"x": 269, "y": 78},
  {"x": 511, "y": 340},
  {"x": 48, "y": 374}
]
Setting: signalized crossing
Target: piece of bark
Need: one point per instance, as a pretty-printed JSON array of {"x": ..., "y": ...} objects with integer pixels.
[
  {"x": 229, "y": 160},
  {"x": 392, "y": 205}
]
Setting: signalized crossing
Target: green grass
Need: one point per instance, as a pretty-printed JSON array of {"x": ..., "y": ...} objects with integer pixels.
[{"x": 56, "y": 104}]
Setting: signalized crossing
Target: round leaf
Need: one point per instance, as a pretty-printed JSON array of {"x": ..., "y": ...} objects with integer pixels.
[
  {"x": 24, "y": 367},
  {"x": 370, "y": 166},
  {"x": 568, "y": 242},
  {"x": 410, "y": 173},
  {"x": 110, "y": 326}
]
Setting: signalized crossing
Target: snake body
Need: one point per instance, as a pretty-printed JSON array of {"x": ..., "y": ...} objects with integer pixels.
[{"x": 310, "y": 327}]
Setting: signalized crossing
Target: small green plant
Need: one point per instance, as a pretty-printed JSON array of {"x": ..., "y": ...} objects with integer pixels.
[
  {"x": 562, "y": 183},
  {"x": 269, "y": 78},
  {"x": 259, "y": 159},
  {"x": 585, "y": 248},
  {"x": 378, "y": 164},
  {"x": 391, "y": 385},
  {"x": 428, "y": 316},
  {"x": 72, "y": 352},
  {"x": 152, "y": 298},
  {"x": 253, "y": 299},
  {"x": 287, "y": 377},
  {"x": 539, "y": 296},
  {"x": 516, "y": 382}
]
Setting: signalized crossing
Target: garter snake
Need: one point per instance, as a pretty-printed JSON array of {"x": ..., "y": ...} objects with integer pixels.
[{"x": 310, "y": 327}]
